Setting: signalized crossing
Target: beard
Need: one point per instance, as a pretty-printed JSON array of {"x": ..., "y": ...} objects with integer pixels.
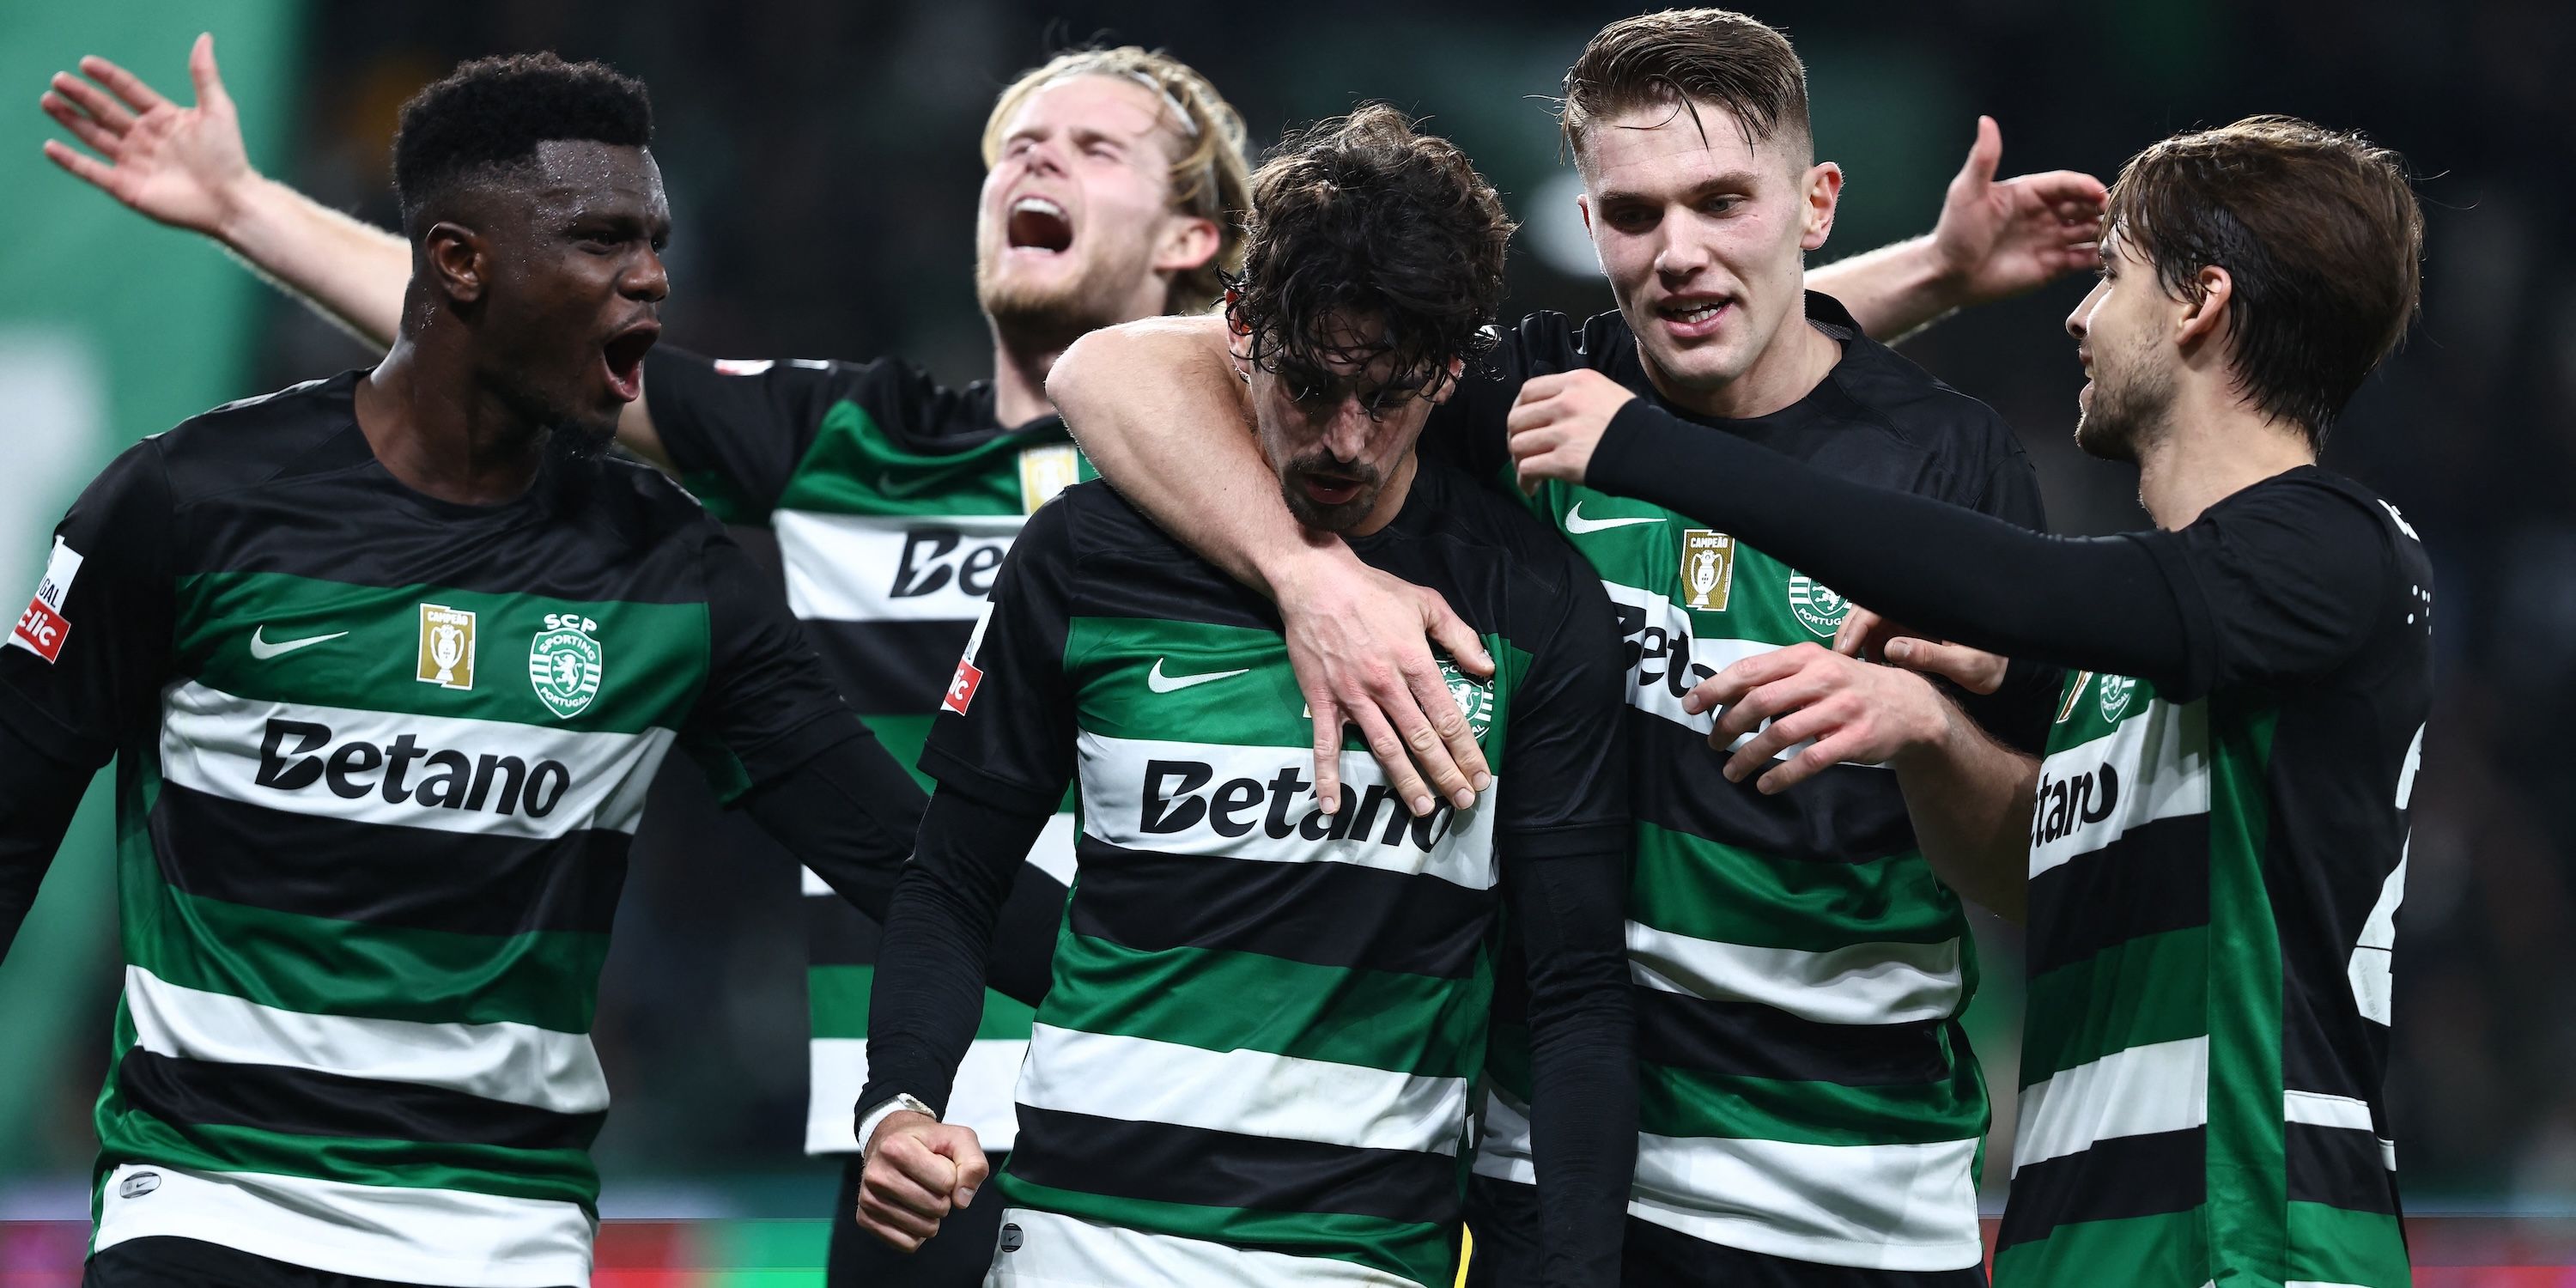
[
  {"x": 2129, "y": 410},
  {"x": 570, "y": 435},
  {"x": 1329, "y": 518},
  {"x": 569, "y": 441},
  {"x": 1051, "y": 315}
]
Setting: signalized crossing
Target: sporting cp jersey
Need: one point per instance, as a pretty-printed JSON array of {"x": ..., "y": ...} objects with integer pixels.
[
  {"x": 894, "y": 501},
  {"x": 2215, "y": 872},
  {"x": 1806, "y": 1090},
  {"x": 379, "y": 758},
  {"x": 1254, "y": 1063}
]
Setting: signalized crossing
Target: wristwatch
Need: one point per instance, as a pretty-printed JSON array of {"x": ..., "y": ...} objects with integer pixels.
[{"x": 884, "y": 1109}]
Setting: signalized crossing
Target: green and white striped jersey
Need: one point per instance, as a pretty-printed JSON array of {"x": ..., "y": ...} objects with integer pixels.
[
  {"x": 379, "y": 761},
  {"x": 894, "y": 501},
  {"x": 2215, "y": 874},
  {"x": 1805, "y": 1090},
  {"x": 1255, "y": 1063}
]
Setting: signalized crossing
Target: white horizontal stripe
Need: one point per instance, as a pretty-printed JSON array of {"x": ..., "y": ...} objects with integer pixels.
[
  {"x": 1116, "y": 795},
  {"x": 518, "y": 1063},
  {"x": 2163, "y": 1086},
  {"x": 1052, "y": 852},
  {"x": 1881, "y": 1207},
  {"x": 380, "y": 1232},
  {"x": 979, "y": 1100},
  {"x": 212, "y": 741},
  {"x": 1252, "y": 1093},
  {"x": 2317, "y": 1109},
  {"x": 1881, "y": 983},
  {"x": 880, "y": 568},
  {"x": 2157, "y": 764},
  {"x": 1061, "y": 1250},
  {"x": 1650, "y": 678}
]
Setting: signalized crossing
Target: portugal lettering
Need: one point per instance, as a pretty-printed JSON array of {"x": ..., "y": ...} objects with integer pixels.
[
  {"x": 1178, "y": 798},
  {"x": 297, "y": 754}
]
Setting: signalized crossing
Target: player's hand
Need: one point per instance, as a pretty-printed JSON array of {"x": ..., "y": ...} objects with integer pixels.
[
  {"x": 919, "y": 1170},
  {"x": 1997, "y": 240},
  {"x": 183, "y": 166},
  {"x": 1849, "y": 709},
  {"x": 1557, "y": 422},
  {"x": 1360, "y": 641},
  {"x": 1870, "y": 637}
]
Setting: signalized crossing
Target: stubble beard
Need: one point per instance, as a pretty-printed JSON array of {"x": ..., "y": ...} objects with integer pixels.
[
  {"x": 2128, "y": 412},
  {"x": 1047, "y": 317}
]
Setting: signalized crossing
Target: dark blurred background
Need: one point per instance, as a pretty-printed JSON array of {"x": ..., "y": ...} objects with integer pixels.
[{"x": 822, "y": 163}]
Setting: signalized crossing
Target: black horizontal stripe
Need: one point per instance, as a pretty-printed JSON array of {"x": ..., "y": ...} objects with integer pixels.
[
  {"x": 1748, "y": 1039},
  {"x": 2339, "y": 1167},
  {"x": 1847, "y": 814},
  {"x": 1327, "y": 914},
  {"x": 300, "y": 1102},
  {"x": 2153, "y": 879},
  {"x": 837, "y": 934},
  {"x": 388, "y": 876},
  {"x": 890, "y": 668},
  {"x": 2123, "y": 1176},
  {"x": 1161, "y": 1163}
]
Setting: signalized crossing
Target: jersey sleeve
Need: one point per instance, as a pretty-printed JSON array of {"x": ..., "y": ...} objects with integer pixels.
[
  {"x": 767, "y": 707},
  {"x": 737, "y": 429},
  {"x": 1470, "y": 430},
  {"x": 2021, "y": 709},
  {"x": 2278, "y": 585},
  {"x": 1005, "y": 729},
  {"x": 1564, "y": 782},
  {"x": 87, "y": 658}
]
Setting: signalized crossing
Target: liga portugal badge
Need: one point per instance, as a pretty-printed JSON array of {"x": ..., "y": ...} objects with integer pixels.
[
  {"x": 42, "y": 628},
  {"x": 1708, "y": 569},
  {"x": 962, "y": 685},
  {"x": 446, "y": 646},
  {"x": 565, "y": 663}
]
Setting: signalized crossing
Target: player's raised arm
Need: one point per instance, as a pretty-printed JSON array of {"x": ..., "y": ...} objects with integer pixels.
[
  {"x": 1159, "y": 408},
  {"x": 186, "y": 167},
  {"x": 1994, "y": 240}
]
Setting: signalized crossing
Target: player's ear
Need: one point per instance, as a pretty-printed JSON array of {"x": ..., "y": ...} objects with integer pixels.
[
  {"x": 1189, "y": 242},
  {"x": 459, "y": 263},
  {"x": 1822, "y": 193},
  {"x": 2204, "y": 314},
  {"x": 1457, "y": 372}
]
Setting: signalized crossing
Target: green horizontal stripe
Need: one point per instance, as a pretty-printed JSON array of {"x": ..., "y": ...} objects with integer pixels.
[
  {"x": 1232, "y": 1001},
  {"x": 836, "y": 1004},
  {"x": 653, "y": 657},
  {"x": 1724, "y": 893},
  {"x": 2151, "y": 989},
  {"x": 1425, "y": 1253},
  {"x": 2339, "y": 1246},
  {"x": 1648, "y": 557},
  {"x": 1684, "y": 1102},
  {"x": 2167, "y": 1250},
  {"x": 853, "y": 467},
  {"x": 128, "y": 1134},
  {"x": 323, "y": 966}
]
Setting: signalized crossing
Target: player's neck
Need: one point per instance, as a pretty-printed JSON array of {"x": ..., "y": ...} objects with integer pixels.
[
  {"x": 2215, "y": 447},
  {"x": 440, "y": 433},
  {"x": 1019, "y": 381}
]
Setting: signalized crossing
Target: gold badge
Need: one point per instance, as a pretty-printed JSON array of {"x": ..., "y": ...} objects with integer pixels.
[
  {"x": 2074, "y": 690},
  {"x": 1045, "y": 471},
  {"x": 1708, "y": 569},
  {"x": 446, "y": 646}
]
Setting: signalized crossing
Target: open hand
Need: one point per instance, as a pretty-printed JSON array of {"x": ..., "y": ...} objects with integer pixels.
[
  {"x": 919, "y": 1170},
  {"x": 1360, "y": 641},
  {"x": 1997, "y": 240},
  {"x": 1870, "y": 637},
  {"x": 183, "y": 166},
  {"x": 1847, "y": 709}
]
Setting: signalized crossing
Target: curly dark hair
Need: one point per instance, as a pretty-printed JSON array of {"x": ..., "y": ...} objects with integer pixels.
[
  {"x": 1362, "y": 216},
  {"x": 493, "y": 112}
]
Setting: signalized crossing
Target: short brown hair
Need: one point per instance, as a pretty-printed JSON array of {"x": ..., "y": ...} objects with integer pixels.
[
  {"x": 2321, "y": 237},
  {"x": 1362, "y": 215},
  {"x": 1684, "y": 57},
  {"x": 1209, "y": 177}
]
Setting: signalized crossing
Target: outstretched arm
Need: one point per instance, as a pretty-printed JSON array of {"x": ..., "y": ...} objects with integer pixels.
[
  {"x": 1993, "y": 241},
  {"x": 186, "y": 167}
]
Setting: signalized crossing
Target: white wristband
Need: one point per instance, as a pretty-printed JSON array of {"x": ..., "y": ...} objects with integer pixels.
[{"x": 869, "y": 1121}]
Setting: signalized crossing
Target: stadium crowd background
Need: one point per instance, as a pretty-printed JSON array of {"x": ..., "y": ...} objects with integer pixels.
[{"x": 822, "y": 165}]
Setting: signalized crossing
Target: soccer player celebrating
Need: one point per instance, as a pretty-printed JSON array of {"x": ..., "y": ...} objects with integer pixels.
[
  {"x": 2216, "y": 840},
  {"x": 1809, "y": 1107},
  {"x": 369, "y": 860},
  {"x": 1269, "y": 1002},
  {"x": 1115, "y": 184}
]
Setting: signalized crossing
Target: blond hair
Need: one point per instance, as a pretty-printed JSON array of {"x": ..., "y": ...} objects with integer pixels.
[{"x": 1210, "y": 178}]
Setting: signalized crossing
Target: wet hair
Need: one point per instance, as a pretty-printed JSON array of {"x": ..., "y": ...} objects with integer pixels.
[
  {"x": 1209, "y": 176},
  {"x": 2322, "y": 240},
  {"x": 487, "y": 117},
  {"x": 1362, "y": 217},
  {"x": 1682, "y": 59}
]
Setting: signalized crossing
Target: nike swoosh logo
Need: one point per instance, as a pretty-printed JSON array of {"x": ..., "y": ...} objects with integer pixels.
[
  {"x": 1575, "y": 522},
  {"x": 263, "y": 650},
  {"x": 1161, "y": 683}
]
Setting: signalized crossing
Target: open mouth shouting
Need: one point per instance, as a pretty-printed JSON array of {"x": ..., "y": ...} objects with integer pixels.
[
  {"x": 622, "y": 355},
  {"x": 1038, "y": 225}
]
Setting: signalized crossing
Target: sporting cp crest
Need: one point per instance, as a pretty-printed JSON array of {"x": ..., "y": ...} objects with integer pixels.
[
  {"x": 1817, "y": 606},
  {"x": 446, "y": 646},
  {"x": 564, "y": 663},
  {"x": 1474, "y": 697},
  {"x": 2115, "y": 696},
  {"x": 1708, "y": 569}
]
